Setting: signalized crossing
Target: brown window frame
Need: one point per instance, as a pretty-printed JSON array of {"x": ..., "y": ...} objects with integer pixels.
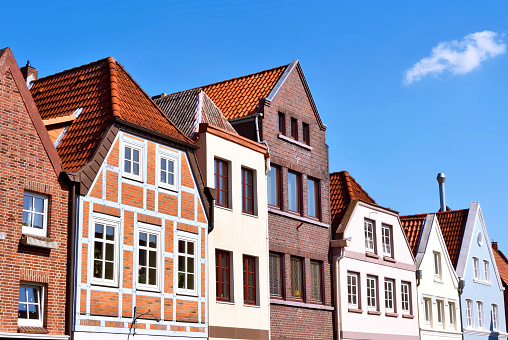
[
  {"x": 218, "y": 273},
  {"x": 321, "y": 291},
  {"x": 302, "y": 278},
  {"x": 278, "y": 186},
  {"x": 282, "y": 123},
  {"x": 218, "y": 176},
  {"x": 282, "y": 285},
  {"x": 316, "y": 195},
  {"x": 245, "y": 173},
  {"x": 298, "y": 192},
  {"x": 294, "y": 128},
  {"x": 306, "y": 133},
  {"x": 247, "y": 299}
]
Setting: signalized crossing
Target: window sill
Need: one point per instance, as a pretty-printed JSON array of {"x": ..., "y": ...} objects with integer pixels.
[
  {"x": 369, "y": 254},
  {"x": 223, "y": 207},
  {"x": 373, "y": 312},
  {"x": 295, "y": 142},
  {"x": 408, "y": 316},
  {"x": 249, "y": 215},
  {"x": 389, "y": 259},
  {"x": 297, "y": 217},
  {"x": 438, "y": 281},
  {"x": 225, "y": 302},
  {"x": 148, "y": 289},
  {"x": 391, "y": 315},
  {"x": 250, "y": 305},
  {"x": 32, "y": 330},
  {"x": 104, "y": 284},
  {"x": 132, "y": 178},
  {"x": 193, "y": 294},
  {"x": 38, "y": 241},
  {"x": 485, "y": 283},
  {"x": 300, "y": 304},
  {"x": 355, "y": 310}
]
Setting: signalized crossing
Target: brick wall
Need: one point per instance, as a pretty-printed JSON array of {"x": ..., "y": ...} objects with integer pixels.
[{"x": 25, "y": 166}]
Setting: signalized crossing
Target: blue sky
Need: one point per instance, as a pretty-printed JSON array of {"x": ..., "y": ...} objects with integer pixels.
[{"x": 392, "y": 137}]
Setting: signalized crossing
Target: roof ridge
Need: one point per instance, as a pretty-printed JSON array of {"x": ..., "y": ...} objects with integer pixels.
[
  {"x": 245, "y": 76},
  {"x": 113, "y": 88},
  {"x": 435, "y": 213},
  {"x": 71, "y": 69}
]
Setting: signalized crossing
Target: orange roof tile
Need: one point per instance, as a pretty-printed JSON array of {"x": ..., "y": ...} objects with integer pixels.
[
  {"x": 502, "y": 265},
  {"x": 106, "y": 93},
  {"x": 239, "y": 97},
  {"x": 344, "y": 189},
  {"x": 413, "y": 226}
]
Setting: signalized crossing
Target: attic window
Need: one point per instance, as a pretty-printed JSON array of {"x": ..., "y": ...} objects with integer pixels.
[{"x": 479, "y": 238}]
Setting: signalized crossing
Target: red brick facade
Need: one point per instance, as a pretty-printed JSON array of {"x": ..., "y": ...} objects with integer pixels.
[{"x": 27, "y": 168}]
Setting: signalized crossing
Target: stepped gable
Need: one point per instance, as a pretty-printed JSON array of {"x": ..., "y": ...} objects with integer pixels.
[
  {"x": 344, "y": 189},
  {"x": 97, "y": 94}
]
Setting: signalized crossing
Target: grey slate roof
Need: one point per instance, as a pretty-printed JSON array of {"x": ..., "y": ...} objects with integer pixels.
[{"x": 187, "y": 109}]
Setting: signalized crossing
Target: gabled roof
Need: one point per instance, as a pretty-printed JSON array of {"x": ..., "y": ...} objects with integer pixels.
[
  {"x": 344, "y": 189},
  {"x": 413, "y": 226},
  {"x": 106, "y": 93},
  {"x": 502, "y": 264},
  {"x": 452, "y": 224},
  {"x": 189, "y": 108}
]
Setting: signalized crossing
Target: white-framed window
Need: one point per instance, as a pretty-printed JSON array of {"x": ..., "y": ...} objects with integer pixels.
[
  {"x": 486, "y": 271},
  {"x": 35, "y": 214},
  {"x": 427, "y": 306},
  {"x": 437, "y": 264},
  {"x": 469, "y": 313},
  {"x": 187, "y": 265},
  {"x": 105, "y": 252},
  {"x": 405, "y": 289},
  {"x": 480, "y": 315},
  {"x": 451, "y": 311},
  {"x": 372, "y": 293},
  {"x": 495, "y": 318},
  {"x": 352, "y": 290},
  {"x": 389, "y": 296},
  {"x": 440, "y": 312},
  {"x": 31, "y": 305},
  {"x": 386, "y": 231},
  {"x": 476, "y": 268},
  {"x": 168, "y": 171},
  {"x": 479, "y": 238},
  {"x": 369, "y": 236},
  {"x": 132, "y": 161},
  {"x": 148, "y": 258}
]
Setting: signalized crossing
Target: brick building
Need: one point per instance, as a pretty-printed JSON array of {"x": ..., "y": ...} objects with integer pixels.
[
  {"x": 33, "y": 216},
  {"x": 141, "y": 210},
  {"x": 276, "y": 107}
]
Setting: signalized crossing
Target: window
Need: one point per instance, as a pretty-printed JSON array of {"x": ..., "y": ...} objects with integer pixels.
[
  {"x": 282, "y": 123},
  {"x": 306, "y": 133},
  {"x": 132, "y": 161},
  {"x": 440, "y": 311},
  {"x": 495, "y": 318},
  {"x": 352, "y": 290},
  {"x": 476, "y": 268},
  {"x": 222, "y": 275},
  {"x": 389, "y": 301},
  {"x": 296, "y": 277},
  {"x": 187, "y": 265},
  {"x": 168, "y": 171},
  {"x": 221, "y": 182},
  {"x": 294, "y": 191},
  {"x": 274, "y": 186},
  {"x": 486, "y": 271},
  {"x": 105, "y": 258},
  {"x": 313, "y": 197},
  {"x": 372, "y": 292},
  {"x": 427, "y": 305},
  {"x": 294, "y": 128},
  {"x": 479, "y": 311},
  {"x": 315, "y": 281},
  {"x": 469, "y": 313},
  {"x": 451, "y": 310},
  {"x": 437, "y": 264},
  {"x": 387, "y": 240},
  {"x": 148, "y": 258},
  {"x": 249, "y": 280},
  {"x": 479, "y": 238},
  {"x": 31, "y": 305},
  {"x": 247, "y": 191},
  {"x": 369, "y": 236},
  {"x": 35, "y": 214},
  {"x": 405, "y": 289},
  {"x": 276, "y": 271}
]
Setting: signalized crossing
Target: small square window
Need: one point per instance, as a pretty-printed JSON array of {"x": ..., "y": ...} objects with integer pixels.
[
  {"x": 35, "y": 214},
  {"x": 105, "y": 253},
  {"x": 248, "y": 191},
  {"x": 294, "y": 128},
  {"x": 221, "y": 176},
  {"x": 282, "y": 123},
  {"x": 223, "y": 275},
  {"x": 249, "y": 280},
  {"x": 306, "y": 133},
  {"x": 168, "y": 171},
  {"x": 133, "y": 161},
  {"x": 148, "y": 259},
  {"x": 187, "y": 266},
  {"x": 31, "y": 305}
]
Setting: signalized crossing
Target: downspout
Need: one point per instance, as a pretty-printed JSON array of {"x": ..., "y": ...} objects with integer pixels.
[
  {"x": 71, "y": 252},
  {"x": 336, "y": 280},
  {"x": 460, "y": 289},
  {"x": 256, "y": 116}
]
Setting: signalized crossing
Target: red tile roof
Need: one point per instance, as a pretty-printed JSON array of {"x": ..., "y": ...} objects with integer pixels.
[
  {"x": 452, "y": 225},
  {"x": 413, "y": 226},
  {"x": 107, "y": 93},
  {"x": 502, "y": 265},
  {"x": 344, "y": 189},
  {"x": 239, "y": 97}
]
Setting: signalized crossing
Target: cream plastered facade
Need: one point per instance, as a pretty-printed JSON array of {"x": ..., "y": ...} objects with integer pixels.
[
  {"x": 361, "y": 322},
  {"x": 239, "y": 234},
  {"x": 438, "y": 286}
]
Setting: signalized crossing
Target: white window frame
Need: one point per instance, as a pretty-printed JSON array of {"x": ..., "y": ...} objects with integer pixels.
[
  {"x": 372, "y": 293},
  {"x": 41, "y": 293},
  {"x": 157, "y": 233},
  {"x": 437, "y": 264},
  {"x": 387, "y": 240},
  {"x": 370, "y": 240},
  {"x": 352, "y": 290},
  {"x": 29, "y": 229},
  {"x": 476, "y": 268},
  {"x": 440, "y": 321},
  {"x": 451, "y": 310},
  {"x": 197, "y": 266},
  {"x": 486, "y": 271},
  {"x": 389, "y": 286},
  {"x": 116, "y": 226},
  {"x": 469, "y": 313},
  {"x": 141, "y": 149},
  {"x": 495, "y": 317},
  {"x": 480, "y": 315},
  {"x": 405, "y": 290},
  {"x": 176, "y": 170},
  {"x": 427, "y": 310}
]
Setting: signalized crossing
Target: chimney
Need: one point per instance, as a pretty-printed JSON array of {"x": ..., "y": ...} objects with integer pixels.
[
  {"x": 29, "y": 73},
  {"x": 494, "y": 245},
  {"x": 441, "y": 179}
]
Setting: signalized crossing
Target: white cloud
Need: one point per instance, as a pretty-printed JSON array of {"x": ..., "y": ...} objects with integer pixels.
[{"x": 457, "y": 57}]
